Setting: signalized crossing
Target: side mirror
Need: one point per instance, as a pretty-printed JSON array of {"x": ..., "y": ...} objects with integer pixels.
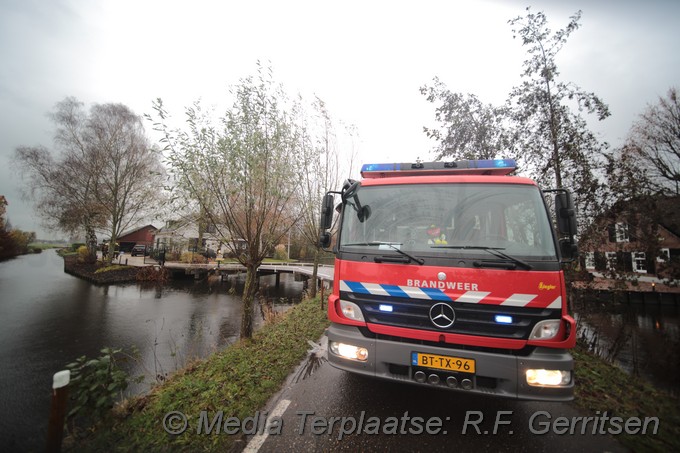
[
  {"x": 364, "y": 213},
  {"x": 568, "y": 248},
  {"x": 565, "y": 214},
  {"x": 327, "y": 212},
  {"x": 325, "y": 240}
]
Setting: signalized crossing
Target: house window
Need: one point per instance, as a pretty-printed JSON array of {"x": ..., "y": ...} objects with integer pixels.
[
  {"x": 622, "y": 232},
  {"x": 611, "y": 261},
  {"x": 665, "y": 255},
  {"x": 590, "y": 260},
  {"x": 639, "y": 262}
]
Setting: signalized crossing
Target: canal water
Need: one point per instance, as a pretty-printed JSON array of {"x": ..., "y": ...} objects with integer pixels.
[
  {"x": 49, "y": 318},
  {"x": 641, "y": 338}
]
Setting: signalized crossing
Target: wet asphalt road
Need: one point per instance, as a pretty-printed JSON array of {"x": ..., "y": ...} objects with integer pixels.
[{"x": 334, "y": 393}]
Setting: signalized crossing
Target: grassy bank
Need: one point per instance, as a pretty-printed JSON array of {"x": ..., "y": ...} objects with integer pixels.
[
  {"x": 44, "y": 245},
  {"x": 602, "y": 387},
  {"x": 238, "y": 380},
  {"x": 98, "y": 273}
]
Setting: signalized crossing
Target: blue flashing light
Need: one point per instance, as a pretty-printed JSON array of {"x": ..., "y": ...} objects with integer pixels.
[
  {"x": 378, "y": 167},
  {"x": 386, "y": 308},
  {"x": 505, "y": 163},
  {"x": 503, "y": 319},
  {"x": 494, "y": 163}
]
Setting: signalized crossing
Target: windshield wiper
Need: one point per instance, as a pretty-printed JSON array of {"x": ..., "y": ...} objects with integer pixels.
[
  {"x": 493, "y": 250},
  {"x": 393, "y": 246}
]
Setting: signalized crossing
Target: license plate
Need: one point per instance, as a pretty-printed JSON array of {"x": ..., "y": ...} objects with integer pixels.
[{"x": 443, "y": 362}]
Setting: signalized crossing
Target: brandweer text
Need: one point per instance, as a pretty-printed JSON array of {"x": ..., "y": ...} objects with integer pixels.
[{"x": 460, "y": 286}]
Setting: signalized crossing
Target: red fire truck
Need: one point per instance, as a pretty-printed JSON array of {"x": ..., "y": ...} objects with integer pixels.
[{"x": 450, "y": 274}]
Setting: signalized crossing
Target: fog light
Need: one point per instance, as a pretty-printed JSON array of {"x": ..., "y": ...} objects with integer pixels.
[
  {"x": 347, "y": 351},
  {"x": 548, "y": 378}
]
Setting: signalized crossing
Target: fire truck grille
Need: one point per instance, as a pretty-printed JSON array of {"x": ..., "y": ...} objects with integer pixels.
[{"x": 470, "y": 319}]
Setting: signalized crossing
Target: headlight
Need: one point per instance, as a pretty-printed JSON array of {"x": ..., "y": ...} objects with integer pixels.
[
  {"x": 351, "y": 310},
  {"x": 548, "y": 378},
  {"x": 544, "y": 330},
  {"x": 348, "y": 351}
]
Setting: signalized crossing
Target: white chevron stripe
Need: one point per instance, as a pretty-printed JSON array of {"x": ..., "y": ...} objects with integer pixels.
[
  {"x": 519, "y": 300},
  {"x": 375, "y": 289},
  {"x": 557, "y": 303},
  {"x": 414, "y": 293},
  {"x": 473, "y": 297},
  {"x": 344, "y": 286}
]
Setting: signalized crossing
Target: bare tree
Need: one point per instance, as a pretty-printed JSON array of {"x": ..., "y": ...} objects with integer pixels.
[
  {"x": 127, "y": 169},
  {"x": 655, "y": 142},
  {"x": 321, "y": 160},
  {"x": 62, "y": 188},
  {"x": 643, "y": 177},
  {"x": 102, "y": 174},
  {"x": 245, "y": 174}
]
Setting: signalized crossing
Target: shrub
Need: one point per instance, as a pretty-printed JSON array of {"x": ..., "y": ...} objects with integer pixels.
[
  {"x": 96, "y": 384},
  {"x": 83, "y": 254},
  {"x": 152, "y": 274},
  {"x": 194, "y": 258},
  {"x": 76, "y": 245},
  {"x": 172, "y": 256},
  {"x": 280, "y": 252}
]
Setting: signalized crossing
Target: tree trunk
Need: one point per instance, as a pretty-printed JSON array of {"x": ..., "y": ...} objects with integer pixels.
[
  {"x": 112, "y": 248},
  {"x": 249, "y": 301},
  {"x": 91, "y": 239},
  {"x": 312, "y": 285}
]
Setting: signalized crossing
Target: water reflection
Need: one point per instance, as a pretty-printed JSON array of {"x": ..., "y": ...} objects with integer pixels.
[
  {"x": 49, "y": 318},
  {"x": 643, "y": 339}
]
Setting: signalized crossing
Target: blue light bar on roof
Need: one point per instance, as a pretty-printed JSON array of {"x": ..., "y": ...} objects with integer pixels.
[
  {"x": 495, "y": 163},
  {"x": 379, "y": 167},
  {"x": 463, "y": 167}
]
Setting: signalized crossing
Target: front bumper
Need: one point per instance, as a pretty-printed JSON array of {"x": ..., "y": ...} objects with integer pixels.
[{"x": 496, "y": 374}]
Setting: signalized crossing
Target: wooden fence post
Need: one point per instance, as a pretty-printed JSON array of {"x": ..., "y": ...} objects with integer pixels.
[
  {"x": 322, "y": 293},
  {"x": 55, "y": 428}
]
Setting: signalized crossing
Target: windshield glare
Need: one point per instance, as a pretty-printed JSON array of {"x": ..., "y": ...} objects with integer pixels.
[{"x": 444, "y": 219}]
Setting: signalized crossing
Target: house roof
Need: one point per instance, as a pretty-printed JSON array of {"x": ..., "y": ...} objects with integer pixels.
[
  {"x": 670, "y": 218},
  {"x": 664, "y": 211},
  {"x": 148, "y": 227},
  {"x": 175, "y": 225}
]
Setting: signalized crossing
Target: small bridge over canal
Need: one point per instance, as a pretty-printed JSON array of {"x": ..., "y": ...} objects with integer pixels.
[{"x": 199, "y": 271}]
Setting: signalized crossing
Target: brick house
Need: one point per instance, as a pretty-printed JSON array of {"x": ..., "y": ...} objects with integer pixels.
[
  {"x": 635, "y": 238},
  {"x": 143, "y": 235}
]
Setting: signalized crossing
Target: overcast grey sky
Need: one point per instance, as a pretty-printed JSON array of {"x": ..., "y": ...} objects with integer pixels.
[{"x": 366, "y": 59}]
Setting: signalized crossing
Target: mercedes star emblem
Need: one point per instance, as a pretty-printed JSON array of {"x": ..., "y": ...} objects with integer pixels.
[{"x": 442, "y": 315}]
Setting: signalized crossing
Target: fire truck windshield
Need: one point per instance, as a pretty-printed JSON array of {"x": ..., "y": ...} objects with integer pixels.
[{"x": 449, "y": 220}]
